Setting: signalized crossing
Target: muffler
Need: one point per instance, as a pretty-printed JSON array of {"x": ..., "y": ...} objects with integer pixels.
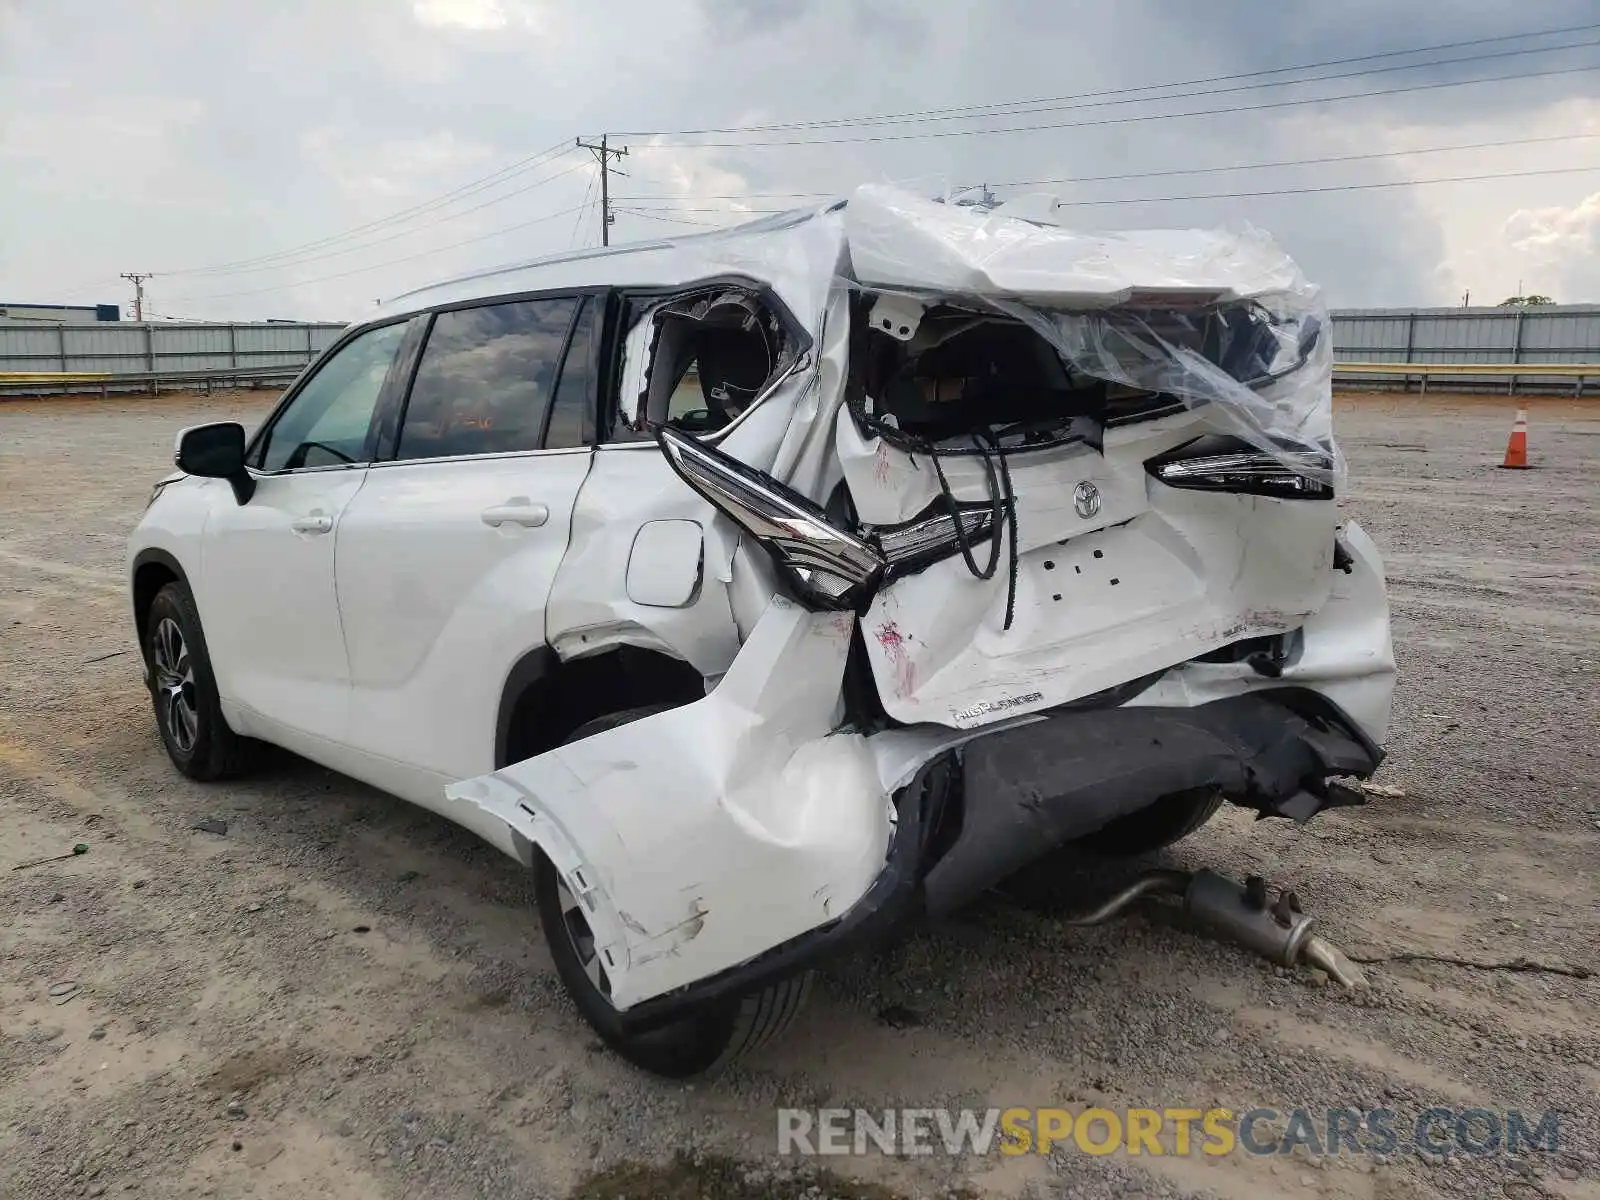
[{"x": 1278, "y": 931}]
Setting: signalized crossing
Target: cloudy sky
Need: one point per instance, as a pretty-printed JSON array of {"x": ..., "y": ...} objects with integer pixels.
[{"x": 255, "y": 156}]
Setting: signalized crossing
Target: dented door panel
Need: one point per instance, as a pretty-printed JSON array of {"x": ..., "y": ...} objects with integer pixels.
[{"x": 704, "y": 835}]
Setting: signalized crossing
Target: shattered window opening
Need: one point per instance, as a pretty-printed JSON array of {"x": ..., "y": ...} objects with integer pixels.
[
  {"x": 713, "y": 355},
  {"x": 965, "y": 375}
]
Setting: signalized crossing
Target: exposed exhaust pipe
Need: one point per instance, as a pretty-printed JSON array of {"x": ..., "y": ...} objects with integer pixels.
[{"x": 1279, "y": 932}]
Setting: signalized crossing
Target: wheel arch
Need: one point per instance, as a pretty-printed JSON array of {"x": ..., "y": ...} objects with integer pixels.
[
  {"x": 545, "y": 698},
  {"x": 153, "y": 569}
]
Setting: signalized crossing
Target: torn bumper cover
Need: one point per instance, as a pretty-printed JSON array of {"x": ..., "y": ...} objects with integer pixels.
[
  {"x": 1014, "y": 795},
  {"x": 787, "y": 849},
  {"x": 1026, "y": 790}
]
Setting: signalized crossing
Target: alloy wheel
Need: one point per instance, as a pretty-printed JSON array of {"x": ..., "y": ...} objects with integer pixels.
[
  {"x": 175, "y": 689},
  {"x": 576, "y": 923}
]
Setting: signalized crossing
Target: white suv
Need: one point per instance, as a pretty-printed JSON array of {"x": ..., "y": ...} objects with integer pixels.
[{"x": 757, "y": 589}]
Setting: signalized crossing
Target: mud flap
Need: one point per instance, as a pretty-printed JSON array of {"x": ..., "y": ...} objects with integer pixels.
[{"x": 702, "y": 836}]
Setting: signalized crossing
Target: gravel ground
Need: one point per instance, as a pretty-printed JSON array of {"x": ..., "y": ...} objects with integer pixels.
[{"x": 343, "y": 996}]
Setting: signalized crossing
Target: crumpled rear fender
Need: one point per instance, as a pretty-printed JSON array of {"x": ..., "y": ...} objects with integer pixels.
[{"x": 700, "y": 837}]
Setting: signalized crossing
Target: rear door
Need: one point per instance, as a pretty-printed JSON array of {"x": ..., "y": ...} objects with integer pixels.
[{"x": 447, "y": 555}]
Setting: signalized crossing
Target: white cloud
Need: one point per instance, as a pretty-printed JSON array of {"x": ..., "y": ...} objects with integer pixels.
[
  {"x": 1560, "y": 248},
  {"x": 481, "y": 16},
  {"x": 1555, "y": 233},
  {"x": 476, "y": 15}
]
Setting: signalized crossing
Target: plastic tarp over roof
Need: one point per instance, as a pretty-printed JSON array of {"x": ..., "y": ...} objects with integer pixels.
[
  {"x": 898, "y": 240},
  {"x": 1224, "y": 322}
]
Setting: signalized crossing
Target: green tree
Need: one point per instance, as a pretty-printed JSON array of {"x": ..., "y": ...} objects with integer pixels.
[{"x": 1532, "y": 301}]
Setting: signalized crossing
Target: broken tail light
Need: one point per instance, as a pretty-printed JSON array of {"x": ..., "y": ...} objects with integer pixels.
[
  {"x": 918, "y": 543},
  {"x": 825, "y": 565}
]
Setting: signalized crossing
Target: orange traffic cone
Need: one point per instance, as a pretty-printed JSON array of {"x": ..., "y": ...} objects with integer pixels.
[{"x": 1517, "y": 447}]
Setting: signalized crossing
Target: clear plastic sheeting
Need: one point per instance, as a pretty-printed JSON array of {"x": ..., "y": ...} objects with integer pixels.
[
  {"x": 1223, "y": 322},
  {"x": 902, "y": 241},
  {"x": 1262, "y": 371}
]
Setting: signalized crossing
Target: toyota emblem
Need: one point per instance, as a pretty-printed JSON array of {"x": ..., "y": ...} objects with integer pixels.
[{"x": 1086, "y": 499}]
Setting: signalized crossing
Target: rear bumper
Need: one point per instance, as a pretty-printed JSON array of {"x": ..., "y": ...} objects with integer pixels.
[
  {"x": 1027, "y": 790},
  {"x": 974, "y": 815}
]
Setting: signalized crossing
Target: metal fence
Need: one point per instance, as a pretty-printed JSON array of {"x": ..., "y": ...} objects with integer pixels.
[
  {"x": 1566, "y": 333},
  {"x": 156, "y": 348},
  {"x": 148, "y": 355}
]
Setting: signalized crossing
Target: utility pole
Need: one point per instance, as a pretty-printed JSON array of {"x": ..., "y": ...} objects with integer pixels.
[
  {"x": 138, "y": 292},
  {"x": 603, "y": 155}
]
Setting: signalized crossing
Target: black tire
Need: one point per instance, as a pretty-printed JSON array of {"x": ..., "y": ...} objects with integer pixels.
[
  {"x": 183, "y": 691},
  {"x": 1170, "y": 819},
  {"x": 709, "y": 1037}
]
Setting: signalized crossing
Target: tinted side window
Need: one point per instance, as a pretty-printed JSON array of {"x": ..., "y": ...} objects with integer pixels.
[
  {"x": 572, "y": 415},
  {"x": 485, "y": 380},
  {"x": 328, "y": 420}
]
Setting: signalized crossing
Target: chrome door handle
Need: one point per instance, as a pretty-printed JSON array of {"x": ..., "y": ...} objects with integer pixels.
[
  {"x": 315, "y": 523},
  {"x": 518, "y": 510}
]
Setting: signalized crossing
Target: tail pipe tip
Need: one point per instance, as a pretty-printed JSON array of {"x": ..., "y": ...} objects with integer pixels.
[{"x": 1279, "y": 932}]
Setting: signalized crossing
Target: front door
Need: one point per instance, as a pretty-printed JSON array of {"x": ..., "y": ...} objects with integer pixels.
[{"x": 266, "y": 593}]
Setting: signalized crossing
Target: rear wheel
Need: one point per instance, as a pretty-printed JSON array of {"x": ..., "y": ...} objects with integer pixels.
[
  {"x": 1170, "y": 819},
  {"x": 183, "y": 690},
  {"x": 710, "y": 1036}
]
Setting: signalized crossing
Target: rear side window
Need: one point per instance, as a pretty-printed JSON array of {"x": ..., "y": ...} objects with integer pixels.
[{"x": 486, "y": 379}]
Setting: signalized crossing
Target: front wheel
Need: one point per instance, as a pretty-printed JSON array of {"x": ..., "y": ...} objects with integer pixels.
[
  {"x": 703, "y": 1042},
  {"x": 183, "y": 690}
]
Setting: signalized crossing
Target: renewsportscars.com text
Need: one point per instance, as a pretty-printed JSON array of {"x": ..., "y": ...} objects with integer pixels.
[{"x": 1214, "y": 1132}]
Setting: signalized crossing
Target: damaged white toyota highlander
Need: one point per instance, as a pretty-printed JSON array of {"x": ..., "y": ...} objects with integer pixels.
[{"x": 761, "y": 589}]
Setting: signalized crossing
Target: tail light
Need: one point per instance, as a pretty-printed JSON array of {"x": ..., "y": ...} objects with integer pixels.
[
  {"x": 923, "y": 541},
  {"x": 1242, "y": 469},
  {"x": 827, "y": 566}
]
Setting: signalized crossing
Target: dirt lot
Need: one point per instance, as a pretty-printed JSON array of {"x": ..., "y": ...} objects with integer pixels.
[{"x": 346, "y": 997}]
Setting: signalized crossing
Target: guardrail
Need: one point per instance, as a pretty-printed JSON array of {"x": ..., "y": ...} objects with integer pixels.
[
  {"x": 1485, "y": 373},
  {"x": 38, "y": 383},
  {"x": 47, "y": 382}
]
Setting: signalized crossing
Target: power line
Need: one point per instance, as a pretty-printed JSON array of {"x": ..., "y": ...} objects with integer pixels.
[
  {"x": 572, "y": 241},
  {"x": 1017, "y": 107},
  {"x": 1295, "y": 191},
  {"x": 1135, "y": 119},
  {"x": 732, "y": 212},
  {"x": 376, "y": 266},
  {"x": 1337, "y": 187},
  {"x": 669, "y": 220},
  {"x": 442, "y": 200},
  {"x": 399, "y": 233},
  {"x": 1302, "y": 162},
  {"x": 736, "y": 195},
  {"x": 1165, "y": 173}
]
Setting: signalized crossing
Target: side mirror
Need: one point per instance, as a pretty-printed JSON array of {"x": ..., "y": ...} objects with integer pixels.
[{"x": 216, "y": 452}]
